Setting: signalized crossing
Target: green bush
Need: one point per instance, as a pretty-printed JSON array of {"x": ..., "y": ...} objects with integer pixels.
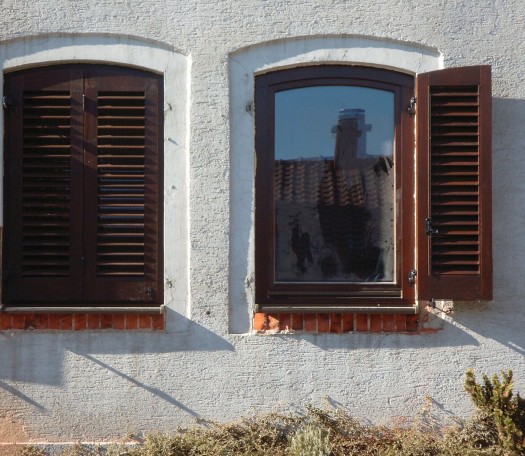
[{"x": 499, "y": 408}]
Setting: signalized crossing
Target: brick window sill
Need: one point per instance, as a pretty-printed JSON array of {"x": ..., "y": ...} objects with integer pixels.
[
  {"x": 68, "y": 321},
  {"x": 336, "y": 323}
]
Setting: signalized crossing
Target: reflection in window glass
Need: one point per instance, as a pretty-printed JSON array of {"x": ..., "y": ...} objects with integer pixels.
[{"x": 334, "y": 185}]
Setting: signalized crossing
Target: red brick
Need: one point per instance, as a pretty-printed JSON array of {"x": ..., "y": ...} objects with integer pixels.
[
  {"x": 80, "y": 322},
  {"x": 323, "y": 322},
  {"x": 273, "y": 322},
  {"x": 376, "y": 323},
  {"x": 66, "y": 322},
  {"x": 41, "y": 321},
  {"x": 119, "y": 321},
  {"x": 144, "y": 321},
  {"x": 411, "y": 323},
  {"x": 93, "y": 321},
  {"x": 132, "y": 321},
  {"x": 18, "y": 321},
  {"x": 401, "y": 322},
  {"x": 348, "y": 322},
  {"x": 336, "y": 323},
  {"x": 310, "y": 322},
  {"x": 389, "y": 323},
  {"x": 106, "y": 321},
  {"x": 157, "y": 322},
  {"x": 29, "y": 321},
  {"x": 297, "y": 321},
  {"x": 362, "y": 322},
  {"x": 5, "y": 321},
  {"x": 285, "y": 321},
  {"x": 259, "y": 321},
  {"x": 53, "y": 321}
]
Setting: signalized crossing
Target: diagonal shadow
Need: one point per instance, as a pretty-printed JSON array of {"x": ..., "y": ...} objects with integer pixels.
[
  {"x": 11, "y": 390},
  {"x": 156, "y": 391}
]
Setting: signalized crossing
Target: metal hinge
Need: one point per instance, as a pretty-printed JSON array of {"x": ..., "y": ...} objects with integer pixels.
[
  {"x": 83, "y": 102},
  {"x": 412, "y": 106},
  {"x": 5, "y": 102},
  {"x": 429, "y": 229}
]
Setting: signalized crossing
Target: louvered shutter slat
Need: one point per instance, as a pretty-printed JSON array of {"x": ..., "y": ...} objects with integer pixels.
[{"x": 454, "y": 135}]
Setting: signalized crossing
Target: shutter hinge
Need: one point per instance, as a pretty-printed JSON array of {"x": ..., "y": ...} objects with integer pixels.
[
  {"x": 83, "y": 102},
  {"x": 412, "y": 106},
  {"x": 429, "y": 229},
  {"x": 5, "y": 103},
  {"x": 412, "y": 277}
]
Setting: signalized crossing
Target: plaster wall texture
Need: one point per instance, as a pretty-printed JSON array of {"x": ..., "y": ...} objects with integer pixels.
[{"x": 62, "y": 386}]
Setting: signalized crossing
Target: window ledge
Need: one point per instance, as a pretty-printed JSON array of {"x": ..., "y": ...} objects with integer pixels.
[
  {"x": 84, "y": 309},
  {"x": 336, "y": 309}
]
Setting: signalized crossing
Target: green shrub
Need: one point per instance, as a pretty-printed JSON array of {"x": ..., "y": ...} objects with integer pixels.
[{"x": 499, "y": 408}]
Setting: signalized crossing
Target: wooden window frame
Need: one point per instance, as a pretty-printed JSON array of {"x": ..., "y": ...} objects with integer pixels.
[
  {"x": 269, "y": 292},
  {"x": 85, "y": 284}
]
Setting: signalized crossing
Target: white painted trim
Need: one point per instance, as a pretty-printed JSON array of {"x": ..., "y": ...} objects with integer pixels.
[
  {"x": 150, "y": 56},
  {"x": 244, "y": 65}
]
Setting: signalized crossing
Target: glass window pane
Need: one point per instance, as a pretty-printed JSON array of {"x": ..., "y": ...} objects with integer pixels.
[{"x": 334, "y": 185}]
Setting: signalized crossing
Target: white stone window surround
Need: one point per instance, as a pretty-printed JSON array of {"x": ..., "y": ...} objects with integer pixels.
[
  {"x": 149, "y": 56},
  {"x": 245, "y": 64}
]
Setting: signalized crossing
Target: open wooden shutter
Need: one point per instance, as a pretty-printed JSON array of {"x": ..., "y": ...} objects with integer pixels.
[
  {"x": 43, "y": 178},
  {"x": 454, "y": 226},
  {"x": 122, "y": 209}
]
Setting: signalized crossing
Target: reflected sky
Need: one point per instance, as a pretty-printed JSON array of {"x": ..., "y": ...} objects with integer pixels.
[{"x": 305, "y": 119}]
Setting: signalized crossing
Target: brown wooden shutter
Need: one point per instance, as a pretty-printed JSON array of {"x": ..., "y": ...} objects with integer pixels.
[
  {"x": 454, "y": 226},
  {"x": 122, "y": 209},
  {"x": 83, "y": 186},
  {"x": 43, "y": 173}
]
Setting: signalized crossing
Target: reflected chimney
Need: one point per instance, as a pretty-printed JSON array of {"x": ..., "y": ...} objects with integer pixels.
[{"x": 350, "y": 139}]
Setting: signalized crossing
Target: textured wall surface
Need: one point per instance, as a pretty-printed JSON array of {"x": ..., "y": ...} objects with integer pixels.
[{"x": 63, "y": 385}]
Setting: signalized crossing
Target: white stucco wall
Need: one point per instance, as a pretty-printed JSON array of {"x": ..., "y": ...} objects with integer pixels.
[{"x": 98, "y": 385}]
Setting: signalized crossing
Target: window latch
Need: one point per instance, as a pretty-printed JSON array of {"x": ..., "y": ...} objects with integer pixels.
[
  {"x": 412, "y": 277},
  {"x": 429, "y": 229},
  {"x": 412, "y": 106}
]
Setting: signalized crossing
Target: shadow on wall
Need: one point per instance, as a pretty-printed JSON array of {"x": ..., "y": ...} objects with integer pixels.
[{"x": 37, "y": 357}]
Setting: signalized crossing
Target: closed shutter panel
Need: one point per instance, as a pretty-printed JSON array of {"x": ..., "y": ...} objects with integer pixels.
[
  {"x": 454, "y": 184},
  {"x": 43, "y": 180},
  {"x": 122, "y": 143},
  {"x": 83, "y": 217}
]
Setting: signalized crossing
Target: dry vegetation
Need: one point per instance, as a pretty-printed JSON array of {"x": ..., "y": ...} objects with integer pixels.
[{"x": 497, "y": 429}]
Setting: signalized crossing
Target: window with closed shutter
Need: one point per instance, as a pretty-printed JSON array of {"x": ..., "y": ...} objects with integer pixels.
[{"x": 83, "y": 186}]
